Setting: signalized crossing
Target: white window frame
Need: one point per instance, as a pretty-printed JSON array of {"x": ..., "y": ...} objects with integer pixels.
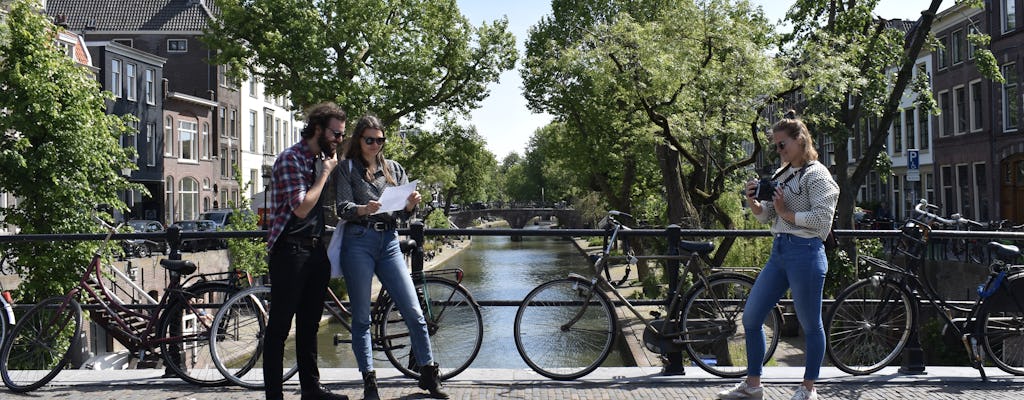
[
  {"x": 150, "y": 77},
  {"x": 897, "y": 134},
  {"x": 151, "y": 144},
  {"x": 168, "y": 136},
  {"x": 115, "y": 77},
  {"x": 942, "y": 52},
  {"x": 1006, "y": 99},
  {"x": 957, "y": 47},
  {"x": 207, "y": 142},
  {"x": 169, "y": 198},
  {"x": 958, "y": 109},
  {"x": 946, "y": 114},
  {"x": 1009, "y": 15},
  {"x": 131, "y": 81},
  {"x": 188, "y": 141},
  {"x": 974, "y": 91},
  {"x": 253, "y": 131},
  {"x": 909, "y": 128},
  {"x": 180, "y": 46},
  {"x": 188, "y": 194}
]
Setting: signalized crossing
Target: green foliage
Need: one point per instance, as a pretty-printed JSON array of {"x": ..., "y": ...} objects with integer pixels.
[
  {"x": 941, "y": 349},
  {"x": 245, "y": 254},
  {"x": 59, "y": 153},
  {"x": 452, "y": 161},
  {"x": 437, "y": 220},
  {"x": 399, "y": 59}
]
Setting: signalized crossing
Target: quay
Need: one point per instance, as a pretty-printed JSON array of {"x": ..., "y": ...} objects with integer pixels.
[{"x": 646, "y": 383}]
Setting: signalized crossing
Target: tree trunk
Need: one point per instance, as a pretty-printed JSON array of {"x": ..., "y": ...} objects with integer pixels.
[{"x": 681, "y": 210}]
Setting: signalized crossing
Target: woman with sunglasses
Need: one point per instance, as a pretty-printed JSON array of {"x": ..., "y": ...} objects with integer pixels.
[
  {"x": 370, "y": 247},
  {"x": 801, "y": 212}
]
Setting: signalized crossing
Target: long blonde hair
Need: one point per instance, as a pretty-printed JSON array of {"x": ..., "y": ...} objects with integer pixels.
[{"x": 796, "y": 129}]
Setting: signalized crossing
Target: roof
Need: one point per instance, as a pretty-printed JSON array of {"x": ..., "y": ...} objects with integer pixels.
[{"x": 133, "y": 15}]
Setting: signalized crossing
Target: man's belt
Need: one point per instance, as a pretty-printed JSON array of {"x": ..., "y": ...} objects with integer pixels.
[{"x": 301, "y": 241}]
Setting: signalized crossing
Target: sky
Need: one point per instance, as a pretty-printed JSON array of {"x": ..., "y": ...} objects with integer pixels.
[{"x": 503, "y": 118}]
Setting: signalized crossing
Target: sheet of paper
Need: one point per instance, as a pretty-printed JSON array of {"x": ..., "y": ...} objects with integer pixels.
[{"x": 394, "y": 197}]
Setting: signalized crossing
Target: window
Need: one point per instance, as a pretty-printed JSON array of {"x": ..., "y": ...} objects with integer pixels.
[
  {"x": 252, "y": 182},
  {"x": 958, "y": 48},
  {"x": 948, "y": 195},
  {"x": 189, "y": 195},
  {"x": 150, "y": 86},
  {"x": 177, "y": 45},
  {"x": 207, "y": 144},
  {"x": 1011, "y": 98},
  {"x": 126, "y": 42},
  {"x": 233, "y": 122},
  {"x": 911, "y": 134},
  {"x": 252, "y": 130},
  {"x": 130, "y": 78},
  {"x": 897, "y": 134},
  {"x": 925, "y": 129},
  {"x": 187, "y": 140},
  {"x": 223, "y": 122},
  {"x": 963, "y": 180},
  {"x": 943, "y": 52},
  {"x": 268, "y": 132},
  {"x": 929, "y": 187},
  {"x": 1009, "y": 15},
  {"x": 981, "y": 190},
  {"x": 150, "y": 145},
  {"x": 976, "y": 106},
  {"x": 897, "y": 196},
  {"x": 253, "y": 87},
  {"x": 971, "y": 48},
  {"x": 168, "y": 137},
  {"x": 222, "y": 75},
  {"x": 169, "y": 200},
  {"x": 946, "y": 116},
  {"x": 115, "y": 77},
  {"x": 225, "y": 164},
  {"x": 960, "y": 109}
]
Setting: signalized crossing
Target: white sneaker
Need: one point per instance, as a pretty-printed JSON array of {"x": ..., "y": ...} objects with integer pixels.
[
  {"x": 803, "y": 394},
  {"x": 742, "y": 391}
]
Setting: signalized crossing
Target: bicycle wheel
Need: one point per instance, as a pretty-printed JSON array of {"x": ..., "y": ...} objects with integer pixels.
[
  {"x": 454, "y": 324},
  {"x": 40, "y": 344},
  {"x": 712, "y": 320},
  {"x": 868, "y": 325},
  {"x": 565, "y": 328},
  {"x": 188, "y": 355},
  {"x": 1003, "y": 338},
  {"x": 236, "y": 338}
]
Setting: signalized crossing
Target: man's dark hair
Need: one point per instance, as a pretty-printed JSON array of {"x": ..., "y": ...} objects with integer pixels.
[{"x": 320, "y": 116}]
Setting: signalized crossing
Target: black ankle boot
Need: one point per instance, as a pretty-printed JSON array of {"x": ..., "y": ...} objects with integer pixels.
[
  {"x": 370, "y": 386},
  {"x": 431, "y": 382}
]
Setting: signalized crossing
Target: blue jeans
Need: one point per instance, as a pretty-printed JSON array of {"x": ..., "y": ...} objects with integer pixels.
[
  {"x": 798, "y": 264},
  {"x": 365, "y": 253}
]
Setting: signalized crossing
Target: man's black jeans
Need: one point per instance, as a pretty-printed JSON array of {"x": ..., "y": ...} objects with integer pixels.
[{"x": 298, "y": 275}]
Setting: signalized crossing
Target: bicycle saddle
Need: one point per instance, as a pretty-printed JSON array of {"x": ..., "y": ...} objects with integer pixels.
[{"x": 183, "y": 267}]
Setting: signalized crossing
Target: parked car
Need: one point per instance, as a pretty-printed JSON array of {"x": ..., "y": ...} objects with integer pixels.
[
  {"x": 145, "y": 247},
  {"x": 222, "y": 218},
  {"x": 197, "y": 244}
]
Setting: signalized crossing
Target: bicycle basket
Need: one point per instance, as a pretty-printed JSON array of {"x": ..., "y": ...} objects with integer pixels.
[
  {"x": 913, "y": 240},
  {"x": 1009, "y": 297}
]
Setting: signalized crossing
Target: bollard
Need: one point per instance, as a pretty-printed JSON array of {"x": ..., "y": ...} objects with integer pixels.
[
  {"x": 416, "y": 232},
  {"x": 674, "y": 359}
]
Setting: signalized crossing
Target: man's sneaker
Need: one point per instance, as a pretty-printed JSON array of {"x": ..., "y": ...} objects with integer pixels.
[
  {"x": 742, "y": 391},
  {"x": 803, "y": 394}
]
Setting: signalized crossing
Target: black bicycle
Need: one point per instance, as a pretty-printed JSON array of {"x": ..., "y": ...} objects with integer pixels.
[{"x": 871, "y": 320}]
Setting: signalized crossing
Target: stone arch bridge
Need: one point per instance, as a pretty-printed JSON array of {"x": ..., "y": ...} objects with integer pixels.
[{"x": 518, "y": 217}]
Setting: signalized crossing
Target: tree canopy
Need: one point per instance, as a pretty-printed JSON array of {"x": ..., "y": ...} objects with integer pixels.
[
  {"x": 59, "y": 153},
  {"x": 400, "y": 59}
]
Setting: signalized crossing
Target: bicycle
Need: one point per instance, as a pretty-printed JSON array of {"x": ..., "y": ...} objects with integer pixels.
[
  {"x": 871, "y": 320},
  {"x": 40, "y": 344},
  {"x": 565, "y": 328},
  {"x": 454, "y": 323}
]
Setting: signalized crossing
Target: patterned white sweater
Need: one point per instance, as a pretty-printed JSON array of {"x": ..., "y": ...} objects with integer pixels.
[{"x": 812, "y": 195}]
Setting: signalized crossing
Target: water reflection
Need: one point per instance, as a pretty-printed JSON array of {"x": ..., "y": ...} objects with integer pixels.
[{"x": 496, "y": 268}]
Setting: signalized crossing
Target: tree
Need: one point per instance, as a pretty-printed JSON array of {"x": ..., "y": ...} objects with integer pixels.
[
  {"x": 59, "y": 154},
  {"x": 396, "y": 58},
  {"x": 245, "y": 254},
  {"x": 853, "y": 71},
  {"x": 452, "y": 159},
  {"x": 671, "y": 89}
]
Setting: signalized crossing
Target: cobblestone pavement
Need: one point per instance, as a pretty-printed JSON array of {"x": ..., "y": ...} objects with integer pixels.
[{"x": 606, "y": 383}]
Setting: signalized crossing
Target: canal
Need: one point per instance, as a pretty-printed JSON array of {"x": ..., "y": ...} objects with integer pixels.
[{"x": 496, "y": 268}]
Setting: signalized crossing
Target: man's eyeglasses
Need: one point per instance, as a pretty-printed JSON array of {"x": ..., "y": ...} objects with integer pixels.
[
  {"x": 337, "y": 134},
  {"x": 372, "y": 140},
  {"x": 780, "y": 145}
]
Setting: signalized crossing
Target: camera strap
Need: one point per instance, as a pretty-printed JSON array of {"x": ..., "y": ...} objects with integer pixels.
[{"x": 798, "y": 172}]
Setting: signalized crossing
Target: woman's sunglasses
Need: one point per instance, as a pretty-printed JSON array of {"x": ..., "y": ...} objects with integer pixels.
[
  {"x": 780, "y": 145},
  {"x": 372, "y": 140}
]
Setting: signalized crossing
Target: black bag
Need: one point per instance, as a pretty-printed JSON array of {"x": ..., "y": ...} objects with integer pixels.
[{"x": 831, "y": 243}]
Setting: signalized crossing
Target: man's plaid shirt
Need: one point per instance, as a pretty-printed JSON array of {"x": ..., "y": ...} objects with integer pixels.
[{"x": 293, "y": 175}]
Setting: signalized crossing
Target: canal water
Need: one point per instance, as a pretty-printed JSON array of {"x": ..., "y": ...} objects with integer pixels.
[{"x": 496, "y": 268}]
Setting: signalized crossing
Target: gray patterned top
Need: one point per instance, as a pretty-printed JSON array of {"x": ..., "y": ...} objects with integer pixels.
[
  {"x": 353, "y": 191},
  {"x": 813, "y": 197}
]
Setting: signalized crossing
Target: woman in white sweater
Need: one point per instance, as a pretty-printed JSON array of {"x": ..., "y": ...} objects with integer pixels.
[{"x": 800, "y": 212}]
